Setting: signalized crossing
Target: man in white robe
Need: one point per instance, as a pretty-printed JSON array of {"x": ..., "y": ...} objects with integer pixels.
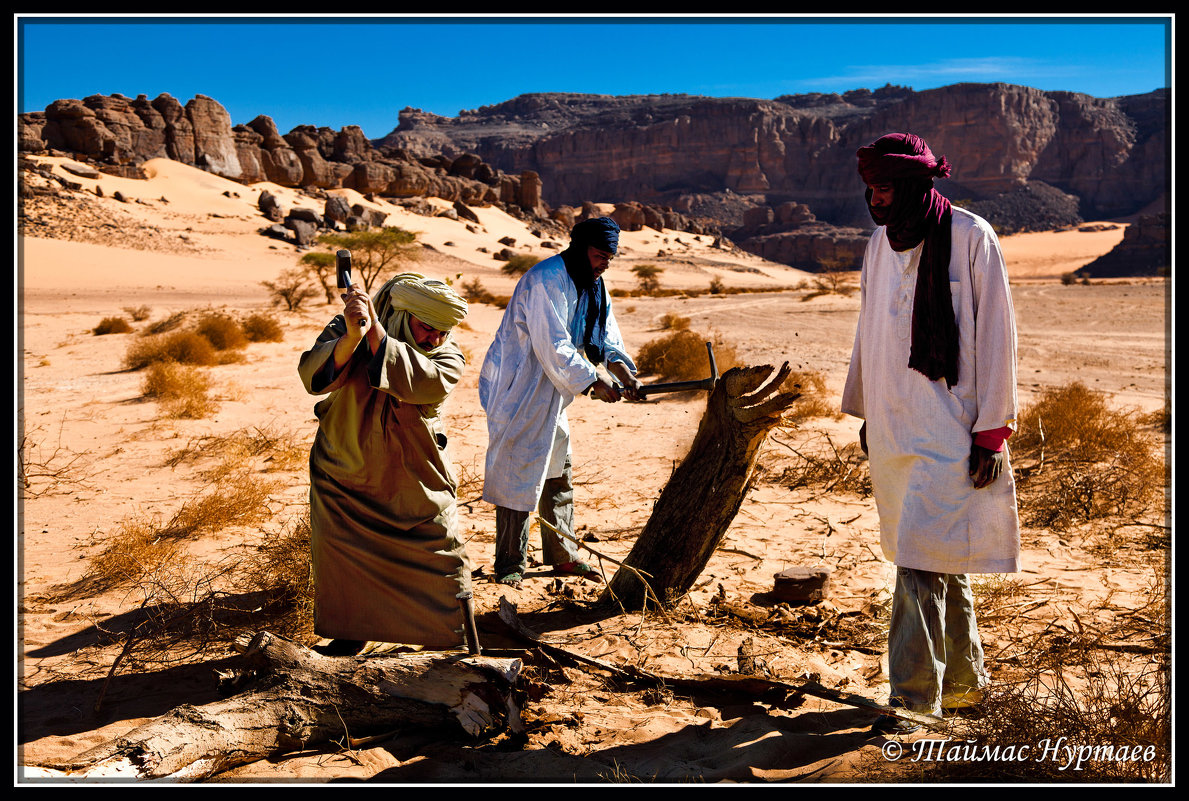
[
  {"x": 556, "y": 328},
  {"x": 933, "y": 377}
]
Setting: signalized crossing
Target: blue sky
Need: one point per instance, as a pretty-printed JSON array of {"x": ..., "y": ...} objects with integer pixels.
[{"x": 333, "y": 72}]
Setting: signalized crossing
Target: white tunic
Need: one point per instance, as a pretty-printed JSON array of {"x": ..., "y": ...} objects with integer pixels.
[
  {"x": 531, "y": 373},
  {"x": 919, "y": 432}
]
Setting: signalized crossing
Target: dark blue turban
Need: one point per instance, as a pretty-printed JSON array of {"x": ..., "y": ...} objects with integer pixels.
[{"x": 600, "y": 232}]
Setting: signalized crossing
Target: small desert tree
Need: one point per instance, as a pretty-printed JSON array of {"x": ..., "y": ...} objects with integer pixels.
[
  {"x": 291, "y": 289},
  {"x": 321, "y": 266},
  {"x": 374, "y": 252},
  {"x": 518, "y": 264},
  {"x": 648, "y": 277}
]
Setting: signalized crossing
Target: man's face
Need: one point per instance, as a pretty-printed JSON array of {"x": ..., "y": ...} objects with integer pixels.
[
  {"x": 881, "y": 196},
  {"x": 426, "y": 337},
  {"x": 600, "y": 260}
]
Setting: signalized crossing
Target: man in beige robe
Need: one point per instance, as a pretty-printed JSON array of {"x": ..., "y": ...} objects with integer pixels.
[{"x": 387, "y": 563}]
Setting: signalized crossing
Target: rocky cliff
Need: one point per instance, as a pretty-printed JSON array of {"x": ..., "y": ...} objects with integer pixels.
[
  {"x": 1111, "y": 154},
  {"x": 776, "y": 176}
]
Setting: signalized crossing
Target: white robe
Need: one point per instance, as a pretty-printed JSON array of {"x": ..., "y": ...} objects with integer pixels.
[
  {"x": 531, "y": 373},
  {"x": 919, "y": 432}
]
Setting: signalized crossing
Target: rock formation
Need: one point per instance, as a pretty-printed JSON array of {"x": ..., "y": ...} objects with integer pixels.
[
  {"x": 777, "y": 177},
  {"x": 1110, "y": 153},
  {"x": 1146, "y": 249}
]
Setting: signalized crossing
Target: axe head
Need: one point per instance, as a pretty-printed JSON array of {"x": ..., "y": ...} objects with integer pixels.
[{"x": 707, "y": 384}]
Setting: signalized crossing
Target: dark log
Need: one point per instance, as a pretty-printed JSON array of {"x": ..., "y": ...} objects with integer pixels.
[
  {"x": 288, "y": 698},
  {"x": 702, "y": 497}
]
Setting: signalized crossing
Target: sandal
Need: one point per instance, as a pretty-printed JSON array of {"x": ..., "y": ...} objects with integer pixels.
[
  {"x": 578, "y": 569},
  {"x": 512, "y": 580}
]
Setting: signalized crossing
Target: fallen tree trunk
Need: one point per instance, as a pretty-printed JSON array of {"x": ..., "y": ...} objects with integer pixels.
[
  {"x": 706, "y": 490},
  {"x": 288, "y": 698}
]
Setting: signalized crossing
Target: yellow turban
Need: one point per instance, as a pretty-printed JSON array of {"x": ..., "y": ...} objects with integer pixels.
[{"x": 431, "y": 301}]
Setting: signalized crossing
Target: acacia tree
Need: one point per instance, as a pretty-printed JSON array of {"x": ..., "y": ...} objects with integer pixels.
[
  {"x": 320, "y": 264},
  {"x": 374, "y": 252},
  {"x": 648, "y": 277}
]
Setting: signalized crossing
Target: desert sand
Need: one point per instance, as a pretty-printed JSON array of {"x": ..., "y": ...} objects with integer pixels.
[{"x": 188, "y": 240}]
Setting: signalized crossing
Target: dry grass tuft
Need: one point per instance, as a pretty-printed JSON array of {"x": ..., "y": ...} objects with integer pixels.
[
  {"x": 170, "y": 323},
  {"x": 182, "y": 347},
  {"x": 1078, "y": 460},
  {"x": 263, "y": 328},
  {"x": 182, "y": 391},
  {"x": 258, "y": 448},
  {"x": 138, "y": 313},
  {"x": 111, "y": 325},
  {"x": 222, "y": 331},
  {"x": 681, "y": 356},
  {"x": 143, "y": 546},
  {"x": 674, "y": 322}
]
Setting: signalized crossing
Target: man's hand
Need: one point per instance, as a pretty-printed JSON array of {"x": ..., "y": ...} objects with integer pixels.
[
  {"x": 604, "y": 390},
  {"x": 357, "y": 306},
  {"x": 985, "y": 465},
  {"x": 630, "y": 385}
]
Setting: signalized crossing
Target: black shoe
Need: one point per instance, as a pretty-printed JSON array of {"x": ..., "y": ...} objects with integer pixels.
[
  {"x": 341, "y": 648},
  {"x": 889, "y": 724}
]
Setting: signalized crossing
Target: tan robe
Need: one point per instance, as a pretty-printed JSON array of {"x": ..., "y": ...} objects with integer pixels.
[{"x": 388, "y": 565}]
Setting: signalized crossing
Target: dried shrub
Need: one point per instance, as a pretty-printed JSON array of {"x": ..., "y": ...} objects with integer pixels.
[
  {"x": 681, "y": 356},
  {"x": 818, "y": 463},
  {"x": 111, "y": 325},
  {"x": 170, "y": 323},
  {"x": 257, "y": 448},
  {"x": 673, "y": 322},
  {"x": 279, "y": 573},
  {"x": 648, "y": 277},
  {"x": 142, "y": 545},
  {"x": 474, "y": 292},
  {"x": 44, "y": 470},
  {"x": 182, "y": 347},
  {"x": 832, "y": 282},
  {"x": 263, "y": 328},
  {"x": 291, "y": 289},
  {"x": 518, "y": 264},
  {"x": 138, "y": 313},
  {"x": 182, "y": 391},
  {"x": 815, "y": 400},
  {"x": 222, "y": 331},
  {"x": 1079, "y": 460}
]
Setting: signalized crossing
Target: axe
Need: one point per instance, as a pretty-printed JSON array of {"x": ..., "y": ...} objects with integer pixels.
[{"x": 684, "y": 386}]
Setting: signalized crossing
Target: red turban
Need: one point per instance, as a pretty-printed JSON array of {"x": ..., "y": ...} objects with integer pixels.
[
  {"x": 918, "y": 212},
  {"x": 899, "y": 155}
]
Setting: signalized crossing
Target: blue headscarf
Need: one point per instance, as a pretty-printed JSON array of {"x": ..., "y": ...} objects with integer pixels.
[{"x": 589, "y": 329}]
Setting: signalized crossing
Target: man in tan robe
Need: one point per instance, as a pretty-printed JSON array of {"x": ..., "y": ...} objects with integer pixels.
[{"x": 387, "y": 563}]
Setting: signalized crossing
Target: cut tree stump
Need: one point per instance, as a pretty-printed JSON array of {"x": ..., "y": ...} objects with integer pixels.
[
  {"x": 702, "y": 497},
  {"x": 288, "y": 698}
]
